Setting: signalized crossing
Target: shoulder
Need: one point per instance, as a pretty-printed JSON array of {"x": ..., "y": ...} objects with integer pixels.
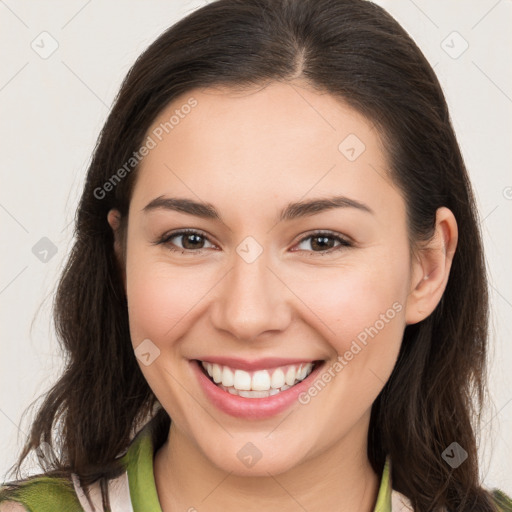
[
  {"x": 503, "y": 501},
  {"x": 39, "y": 494},
  {"x": 401, "y": 503},
  {"x": 12, "y": 506},
  {"x": 47, "y": 493}
]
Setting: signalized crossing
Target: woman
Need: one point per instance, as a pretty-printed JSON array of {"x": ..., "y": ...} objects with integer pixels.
[{"x": 277, "y": 269}]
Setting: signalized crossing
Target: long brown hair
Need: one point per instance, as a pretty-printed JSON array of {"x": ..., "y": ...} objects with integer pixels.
[{"x": 352, "y": 49}]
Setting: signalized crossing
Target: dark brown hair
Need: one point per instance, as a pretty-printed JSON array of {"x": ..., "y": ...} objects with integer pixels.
[{"x": 357, "y": 52}]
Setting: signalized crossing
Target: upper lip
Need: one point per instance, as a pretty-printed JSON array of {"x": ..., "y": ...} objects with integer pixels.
[{"x": 255, "y": 364}]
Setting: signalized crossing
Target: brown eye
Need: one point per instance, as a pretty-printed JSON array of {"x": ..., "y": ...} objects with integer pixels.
[
  {"x": 190, "y": 240},
  {"x": 324, "y": 242}
]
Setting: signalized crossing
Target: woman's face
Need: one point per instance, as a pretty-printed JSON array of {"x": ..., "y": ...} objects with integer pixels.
[{"x": 266, "y": 286}]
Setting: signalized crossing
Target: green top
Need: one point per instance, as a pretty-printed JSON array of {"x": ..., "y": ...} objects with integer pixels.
[{"x": 135, "y": 490}]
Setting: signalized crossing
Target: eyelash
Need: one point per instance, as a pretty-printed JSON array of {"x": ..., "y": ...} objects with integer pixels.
[{"x": 344, "y": 242}]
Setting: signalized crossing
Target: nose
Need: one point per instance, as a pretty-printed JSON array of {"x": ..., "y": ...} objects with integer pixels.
[{"x": 252, "y": 300}]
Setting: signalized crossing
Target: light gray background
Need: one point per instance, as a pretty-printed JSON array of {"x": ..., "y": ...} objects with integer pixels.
[{"x": 53, "y": 108}]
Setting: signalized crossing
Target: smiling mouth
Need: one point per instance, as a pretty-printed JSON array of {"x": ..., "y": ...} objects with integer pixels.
[{"x": 260, "y": 383}]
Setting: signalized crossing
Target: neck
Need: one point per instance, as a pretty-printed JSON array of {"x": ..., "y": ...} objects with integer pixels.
[{"x": 340, "y": 478}]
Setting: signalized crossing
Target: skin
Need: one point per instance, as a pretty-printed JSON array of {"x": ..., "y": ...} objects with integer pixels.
[{"x": 249, "y": 154}]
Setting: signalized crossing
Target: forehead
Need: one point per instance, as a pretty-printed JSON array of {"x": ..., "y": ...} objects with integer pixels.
[{"x": 264, "y": 142}]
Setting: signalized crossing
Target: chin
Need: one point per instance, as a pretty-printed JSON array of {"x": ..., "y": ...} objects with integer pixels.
[{"x": 256, "y": 458}]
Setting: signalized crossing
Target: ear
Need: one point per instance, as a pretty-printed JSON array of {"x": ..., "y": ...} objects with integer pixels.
[
  {"x": 114, "y": 220},
  {"x": 431, "y": 268}
]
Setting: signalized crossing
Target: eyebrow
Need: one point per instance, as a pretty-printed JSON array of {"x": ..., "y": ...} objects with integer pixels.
[{"x": 292, "y": 211}]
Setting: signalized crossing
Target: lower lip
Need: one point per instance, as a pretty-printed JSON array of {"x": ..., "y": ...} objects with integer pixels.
[{"x": 252, "y": 408}]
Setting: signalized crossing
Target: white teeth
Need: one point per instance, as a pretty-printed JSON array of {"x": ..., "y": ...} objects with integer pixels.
[
  {"x": 290, "y": 376},
  {"x": 277, "y": 379},
  {"x": 242, "y": 380},
  {"x": 217, "y": 373},
  {"x": 253, "y": 394},
  {"x": 258, "y": 384},
  {"x": 227, "y": 377},
  {"x": 261, "y": 381}
]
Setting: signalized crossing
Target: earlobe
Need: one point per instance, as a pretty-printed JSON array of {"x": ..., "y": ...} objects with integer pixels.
[
  {"x": 114, "y": 220},
  {"x": 431, "y": 269}
]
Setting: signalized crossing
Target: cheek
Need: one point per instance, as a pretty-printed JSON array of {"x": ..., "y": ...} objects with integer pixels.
[
  {"x": 160, "y": 302},
  {"x": 159, "y": 299},
  {"x": 353, "y": 302},
  {"x": 360, "y": 312}
]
